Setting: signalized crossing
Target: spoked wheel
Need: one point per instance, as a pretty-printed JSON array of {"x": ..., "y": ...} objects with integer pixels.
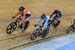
[
  {"x": 35, "y": 34},
  {"x": 11, "y": 27},
  {"x": 70, "y": 28}
]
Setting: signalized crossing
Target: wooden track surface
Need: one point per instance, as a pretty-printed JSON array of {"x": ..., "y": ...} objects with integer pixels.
[{"x": 8, "y": 8}]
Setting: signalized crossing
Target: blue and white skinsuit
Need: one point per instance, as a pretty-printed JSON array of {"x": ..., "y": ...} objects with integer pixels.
[{"x": 45, "y": 23}]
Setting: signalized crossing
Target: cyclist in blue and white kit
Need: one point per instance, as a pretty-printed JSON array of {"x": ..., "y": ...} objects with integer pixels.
[{"x": 46, "y": 21}]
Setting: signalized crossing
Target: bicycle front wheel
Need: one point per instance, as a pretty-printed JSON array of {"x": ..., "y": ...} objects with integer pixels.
[
  {"x": 34, "y": 34},
  {"x": 11, "y": 27}
]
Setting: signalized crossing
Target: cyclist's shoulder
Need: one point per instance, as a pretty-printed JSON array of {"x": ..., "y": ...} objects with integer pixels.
[{"x": 47, "y": 16}]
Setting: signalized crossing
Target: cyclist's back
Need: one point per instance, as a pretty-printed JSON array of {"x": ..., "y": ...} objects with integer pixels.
[{"x": 57, "y": 14}]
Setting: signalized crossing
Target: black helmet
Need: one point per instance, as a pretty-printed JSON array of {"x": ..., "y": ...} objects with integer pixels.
[
  {"x": 43, "y": 16},
  {"x": 21, "y": 8},
  {"x": 56, "y": 10}
]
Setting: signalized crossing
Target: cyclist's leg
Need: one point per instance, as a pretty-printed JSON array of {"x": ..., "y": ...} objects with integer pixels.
[
  {"x": 26, "y": 25},
  {"x": 27, "y": 22},
  {"x": 45, "y": 32},
  {"x": 19, "y": 24}
]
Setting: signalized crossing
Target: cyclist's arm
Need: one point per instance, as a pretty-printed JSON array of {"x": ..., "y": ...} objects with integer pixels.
[
  {"x": 38, "y": 21},
  {"x": 46, "y": 23},
  {"x": 16, "y": 14}
]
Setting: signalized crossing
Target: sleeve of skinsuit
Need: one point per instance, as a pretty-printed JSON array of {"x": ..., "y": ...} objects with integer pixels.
[
  {"x": 46, "y": 22},
  {"x": 38, "y": 21}
]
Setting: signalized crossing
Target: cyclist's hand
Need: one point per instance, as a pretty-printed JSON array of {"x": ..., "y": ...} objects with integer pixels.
[
  {"x": 42, "y": 29},
  {"x": 35, "y": 25},
  {"x": 13, "y": 17}
]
